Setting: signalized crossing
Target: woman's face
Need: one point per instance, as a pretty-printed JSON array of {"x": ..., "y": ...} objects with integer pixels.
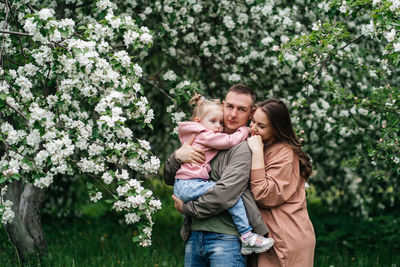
[{"x": 261, "y": 125}]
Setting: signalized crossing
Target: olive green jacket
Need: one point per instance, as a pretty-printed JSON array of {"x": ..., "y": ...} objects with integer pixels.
[{"x": 230, "y": 169}]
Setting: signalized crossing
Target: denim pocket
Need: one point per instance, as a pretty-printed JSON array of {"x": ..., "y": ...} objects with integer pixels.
[{"x": 226, "y": 237}]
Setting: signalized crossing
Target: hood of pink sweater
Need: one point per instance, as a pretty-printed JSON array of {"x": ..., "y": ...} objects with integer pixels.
[{"x": 187, "y": 129}]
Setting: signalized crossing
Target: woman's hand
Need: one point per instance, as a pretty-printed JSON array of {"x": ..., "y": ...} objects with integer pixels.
[{"x": 256, "y": 144}]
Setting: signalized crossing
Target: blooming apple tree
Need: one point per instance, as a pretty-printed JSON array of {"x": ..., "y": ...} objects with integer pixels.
[{"x": 68, "y": 92}]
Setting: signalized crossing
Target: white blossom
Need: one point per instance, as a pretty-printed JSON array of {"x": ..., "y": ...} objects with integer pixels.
[
  {"x": 396, "y": 47},
  {"x": 46, "y": 13},
  {"x": 229, "y": 23},
  {"x": 107, "y": 178},
  {"x": 390, "y": 35},
  {"x": 7, "y": 216},
  {"x": 284, "y": 39},
  {"x": 96, "y": 197},
  {"x": 234, "y": 77},
  {"x": 131, "y": 218},
  {"x": 197, "y": 8},
  {"x": 146, "y": 38},
  {"x": 138, "y": 70},
  {"x": 267, "y": 40},
  {"x": 169, "y": 76},
  {"x": 168, "y": 9},
  {"x": 45, "y": 181}
]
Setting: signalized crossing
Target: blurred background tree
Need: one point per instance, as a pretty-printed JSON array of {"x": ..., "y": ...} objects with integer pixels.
[{"x": 335, "y": 63}]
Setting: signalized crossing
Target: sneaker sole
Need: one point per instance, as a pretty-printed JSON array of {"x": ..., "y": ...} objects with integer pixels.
[{"x": 248, "y": 251}]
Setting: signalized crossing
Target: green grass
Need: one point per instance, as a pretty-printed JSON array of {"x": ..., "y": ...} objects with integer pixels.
[
  {"x": 80, "y": 242},
  {"x": 345, "y": 241},
  {"x": 105, "y": 241},
  {"x": 341, "y": 241}
]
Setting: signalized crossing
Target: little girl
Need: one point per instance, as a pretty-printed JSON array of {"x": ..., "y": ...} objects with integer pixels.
[{"x": 192, "y": 180}]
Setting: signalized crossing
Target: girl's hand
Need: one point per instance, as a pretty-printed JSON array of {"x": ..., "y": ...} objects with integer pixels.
[{"x": 255, "y": 144}]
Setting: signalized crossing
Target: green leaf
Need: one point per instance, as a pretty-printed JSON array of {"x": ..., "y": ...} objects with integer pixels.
[
  {"x": 82, "y": 28},
  {"x": 89, "y": 185},
  {"x": 144, "y": 191}
]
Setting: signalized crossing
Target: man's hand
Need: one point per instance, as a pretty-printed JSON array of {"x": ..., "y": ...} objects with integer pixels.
[
  {"x": 178, "y": 203},
  {"x": 190, "y": 154}
]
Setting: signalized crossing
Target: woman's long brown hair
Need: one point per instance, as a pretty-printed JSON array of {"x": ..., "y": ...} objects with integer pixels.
[{"x": 279, "y": 117}]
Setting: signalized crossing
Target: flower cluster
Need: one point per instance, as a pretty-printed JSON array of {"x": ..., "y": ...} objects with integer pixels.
[{"x": 6, "y": 213}]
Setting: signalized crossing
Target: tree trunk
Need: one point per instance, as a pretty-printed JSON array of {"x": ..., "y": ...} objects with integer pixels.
[
  {"x": 29, "y": 208},
  {"x": 25, "y": 231}
]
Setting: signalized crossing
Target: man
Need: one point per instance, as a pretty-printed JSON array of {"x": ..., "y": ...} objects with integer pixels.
[{"x": 209, "y": 232}]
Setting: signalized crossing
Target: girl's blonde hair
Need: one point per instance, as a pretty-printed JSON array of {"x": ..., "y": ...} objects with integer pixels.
[{"x": 202, "y": 105}]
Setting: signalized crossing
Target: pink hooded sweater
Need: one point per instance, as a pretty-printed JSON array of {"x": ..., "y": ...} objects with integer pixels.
[{"x": 211, "y": 142}]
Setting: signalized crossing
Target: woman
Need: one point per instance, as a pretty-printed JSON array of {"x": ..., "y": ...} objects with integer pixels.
[{"x": 279, "y": 172}]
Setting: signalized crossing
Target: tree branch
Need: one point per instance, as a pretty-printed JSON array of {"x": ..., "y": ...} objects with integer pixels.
[
  {"x": 352, "y": 13},
  {"x": 352, "y": 41},
  {"x": 100, "y": 183},
  {"x": 31, "y": 8},
  {"x": 318, "y": 73},
  {"x": 95, "y": 178},
  {"x": 341, "y": 48},
  {"x": 166, "y": 67},
  {"x": 16, "y": 33},
  {"x": 22, "y": 49},
  {"x": 20, "y": 113},
  {"x": 46, "y": 91},
  {"x": 5, "y": 27},
  {"x": 7, "y": 147},
  {"x": 159, "y": 88}
]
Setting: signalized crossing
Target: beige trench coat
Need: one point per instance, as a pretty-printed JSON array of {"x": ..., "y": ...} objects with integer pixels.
[{"x": 280, "y": 194}]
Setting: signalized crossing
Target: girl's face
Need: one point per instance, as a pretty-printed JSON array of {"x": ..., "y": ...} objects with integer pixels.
[
  {"x": 261, "y": 125},
  {"x": 213, "y": 120}
]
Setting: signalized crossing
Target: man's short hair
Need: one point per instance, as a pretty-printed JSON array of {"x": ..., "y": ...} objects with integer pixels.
[{"x": 243, "y": 89}]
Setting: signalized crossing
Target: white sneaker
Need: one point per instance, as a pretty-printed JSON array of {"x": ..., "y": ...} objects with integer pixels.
[{"x": 256, "y": 243}]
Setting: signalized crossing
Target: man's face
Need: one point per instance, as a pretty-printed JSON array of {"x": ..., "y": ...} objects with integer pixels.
[{"x": 237, "y": 111}]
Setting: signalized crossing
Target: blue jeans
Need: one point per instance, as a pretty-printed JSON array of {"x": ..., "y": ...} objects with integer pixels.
[
  {"x": 212, "y": 249},
  {"x": 192, "y": 189}
]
